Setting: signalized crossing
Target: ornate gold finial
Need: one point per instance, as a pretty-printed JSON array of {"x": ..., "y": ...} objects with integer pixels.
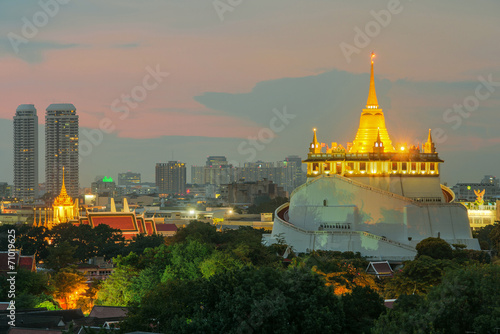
[{"x": 372, "y": 102}]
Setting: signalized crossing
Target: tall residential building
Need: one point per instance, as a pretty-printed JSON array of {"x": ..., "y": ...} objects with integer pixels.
[
  {"x": 61, "y": 148},
  {"x": 171, "y": 177},
  {"x": 26, "y": 153},
  {"x": 129, "y": 178}
]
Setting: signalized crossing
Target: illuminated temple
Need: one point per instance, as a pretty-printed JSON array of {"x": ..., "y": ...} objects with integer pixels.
[
  {"x": 64, "y": 210},
  {"x": 372, "y": 196}
]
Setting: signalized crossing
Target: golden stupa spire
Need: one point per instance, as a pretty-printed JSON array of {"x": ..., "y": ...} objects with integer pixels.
[
  {"x": 371, "y": 124},
  {"x": 63, "y": 187},
  {"x": 315, "y": 146},
  {"x": 429, "y": 138},
  {"x": 372, "y": 102},
  {"x": 63, "y": 199}
]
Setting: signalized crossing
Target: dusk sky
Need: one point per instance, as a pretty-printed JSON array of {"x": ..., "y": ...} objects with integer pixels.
[{"x": 235, "y": 67}]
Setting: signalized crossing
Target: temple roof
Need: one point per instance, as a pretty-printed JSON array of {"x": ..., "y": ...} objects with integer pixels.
[{"x": 63, "y": 199}]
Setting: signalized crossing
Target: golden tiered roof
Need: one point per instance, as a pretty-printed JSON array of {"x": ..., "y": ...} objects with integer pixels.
[
  {"x": 63, "y": 199},
  {"x": 371, "y": 123}
]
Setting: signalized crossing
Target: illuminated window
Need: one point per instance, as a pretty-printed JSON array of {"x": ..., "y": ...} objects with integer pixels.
[
  {"x": 404, "y": 166},
  {"x": 315, "y": 166},
  {"x": 413, "y": 166},
  {"x": 362, "y": 166},
  {"x": 422, "y": 166},
  {"x": 394, "y": 166},
  {"x": 326, "y": 167},
  {"x": 350, "y": 165},
  {"x": 432, "y": 166}
]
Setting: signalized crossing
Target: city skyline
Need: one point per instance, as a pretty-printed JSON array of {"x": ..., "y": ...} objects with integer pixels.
[{"x": 214, "y": 79}]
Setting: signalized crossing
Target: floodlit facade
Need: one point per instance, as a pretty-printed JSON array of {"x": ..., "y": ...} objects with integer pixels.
[
  {"x": 371, "y": 196},
  {"x": 61, "y": 148},
  {"x": 26, "y": 153}
]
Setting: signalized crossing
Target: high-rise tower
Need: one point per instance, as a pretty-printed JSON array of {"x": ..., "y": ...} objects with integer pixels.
[
  {"x": 61, "y": 148},
  {"x": 26, "y": 153},
  {"x": 171, "y": 177}
]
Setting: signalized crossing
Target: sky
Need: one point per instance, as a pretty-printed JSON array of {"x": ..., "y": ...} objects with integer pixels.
[{"x": 162, "y": 80}]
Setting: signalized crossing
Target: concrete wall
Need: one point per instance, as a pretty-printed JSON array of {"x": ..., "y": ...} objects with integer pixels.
[{"x": 335, "y": 199}]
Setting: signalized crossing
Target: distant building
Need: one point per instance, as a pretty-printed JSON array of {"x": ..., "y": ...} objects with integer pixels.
[
  {"x": 104, "y": 187},
  {"x": 464, "y": 192},
  {"x": 5, "y": 190},
  {"x": 171, "y": 177},
  {"x": 26, "y": 153},
  {"x": 197, "y": 175},
  {"x": 129, "y": 178},
  {"x": 61, "y": 148},
  {"x": 248, "y": 192}
]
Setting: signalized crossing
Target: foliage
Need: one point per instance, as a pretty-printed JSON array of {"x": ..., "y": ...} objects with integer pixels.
[
  {"x": 142, "y": 242},
  {"x": 416, "y": 277},
  {"x": 362, "y": 307},
  {"x": 117, "y": 289},
  {"x": 246, "y": 300},
  {"x": 199, "y": 231},
  {"x": 494, "y": 236},
  {"x": 468, "y": 299},
  {"x": 69, "y": 287},
  {"x": 60, "y": 256},
  {"x": 436, "y": 248}
]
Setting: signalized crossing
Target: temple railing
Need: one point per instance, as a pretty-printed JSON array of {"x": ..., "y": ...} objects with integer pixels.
[{"x": 282, "y": 212}]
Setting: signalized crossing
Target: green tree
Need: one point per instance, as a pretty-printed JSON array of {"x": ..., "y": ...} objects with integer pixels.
[
  {"x": 198, "y": 231},
  {"x": 61, "y": 256},
  {"x": 69, "y": 287},
  {"x": 467, "y": 300},
  {"x": 494, "y": 236},
  {"x": 117, "y": 289},
  {"x": 248, "y": 300},
  {"x": 361, "y": 307},
  {"x": 436, "y": 248},
  {"x": 141, "y": 242},
  {"x": 185, "y": 260},
  {"x": 417, "y": 277}
]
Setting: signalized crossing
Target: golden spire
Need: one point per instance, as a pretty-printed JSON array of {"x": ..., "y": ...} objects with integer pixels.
[
  {"x": 429, "y": 147},
  {"x": 63, "y": 187},
  {"x": 372, "y": 102},
  {"x": 63, "y": 199},
  {"x": 315, "y": 146}
]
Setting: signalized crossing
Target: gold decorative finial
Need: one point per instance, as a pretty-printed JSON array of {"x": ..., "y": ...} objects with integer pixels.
[{"x": 372, "y": 102}]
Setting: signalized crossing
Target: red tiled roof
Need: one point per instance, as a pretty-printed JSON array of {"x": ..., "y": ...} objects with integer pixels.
[
  {"x": 150, "y": 226},
  {"x": 389, "y": 303},
  {"x": 108, "y": 312},
  {"x": 123, "y": 221},
  {"x": 166, "y": 227},
  {"x": 27, "y": 262},
  {"x": 382, "y": 268},
  {"x": 140, "y": 224}
]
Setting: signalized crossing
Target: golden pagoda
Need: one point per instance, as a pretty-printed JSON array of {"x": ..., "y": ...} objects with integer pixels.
[
  {"x": 63, "y": 207},
  {"x": 371, "y": 123},
  {"x": 373, "y": 160}
]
